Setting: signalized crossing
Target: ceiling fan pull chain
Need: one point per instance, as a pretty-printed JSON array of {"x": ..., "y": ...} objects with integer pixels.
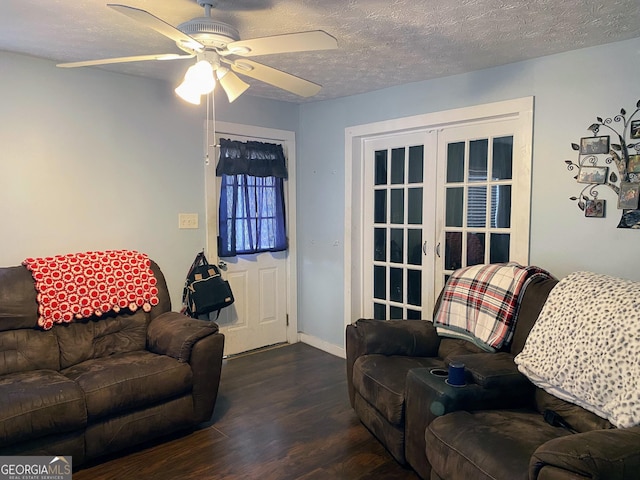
[{"x": 206, "y": 134}]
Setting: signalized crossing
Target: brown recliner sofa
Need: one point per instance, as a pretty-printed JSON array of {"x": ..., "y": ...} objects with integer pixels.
[
  {"x": 396, "y": 397},
  {"x": 518, "y": 443},
  {"x": 583, "y": 350},
  {"x": 99, "y": 385}
]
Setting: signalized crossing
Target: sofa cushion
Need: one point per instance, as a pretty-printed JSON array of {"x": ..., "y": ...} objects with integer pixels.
[
  {"x": 580, "y": 419},
  {"x": 164, "y": 299},
  {"x": 28, "y": 349},
  {"x": 101, "y": 336},
  {"x": 380, "y": 380},
  {"x": 391, "y": 436},
  {"x": 38, "y": 403},
  {"x": 452, "y": 347},
  {"x": 610, "y": 454},
  {"x": 532, "y": 301},
  {"x": 17, "y": 299},
  {"x": 118, "y": 432},
  {"x": 129, "y": 380},
  {"x": 465, "y": 445}
]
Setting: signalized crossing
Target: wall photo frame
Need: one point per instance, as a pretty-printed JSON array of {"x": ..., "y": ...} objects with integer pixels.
[
  {"x": 595, "y": 208},
  {"x": 589, "y": 174},
  {"x": 594, "y": 145},
  {"x": 634, "y": 130},
  {"x": 629, "y": 195},
  {"x": 634, "y": 164}
]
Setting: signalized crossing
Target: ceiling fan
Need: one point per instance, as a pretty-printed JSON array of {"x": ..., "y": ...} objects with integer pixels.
[{"x": 216, "y": 45}]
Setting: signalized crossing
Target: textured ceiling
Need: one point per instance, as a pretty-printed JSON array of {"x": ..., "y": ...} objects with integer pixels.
[{"x": 381, "y": 43}]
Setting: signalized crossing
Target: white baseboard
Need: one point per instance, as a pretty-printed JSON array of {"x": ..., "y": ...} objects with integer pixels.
[{"x": 322, "y": 345}]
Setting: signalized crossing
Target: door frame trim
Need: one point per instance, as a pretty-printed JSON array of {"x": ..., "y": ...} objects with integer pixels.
[
  {"x": 355, "y": 136},
  {"x": 288, "y": 139}
]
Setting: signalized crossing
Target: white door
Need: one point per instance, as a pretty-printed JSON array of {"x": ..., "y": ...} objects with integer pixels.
[
  {"x": 399, "y": 219},
  {"x": 258, "y": 316},
  {"x": 260, "y": 282},
  {"x": 483, "y": 197}
]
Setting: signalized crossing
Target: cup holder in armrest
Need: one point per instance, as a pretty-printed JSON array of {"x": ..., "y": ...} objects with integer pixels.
[{"x": 439, "y": 372}]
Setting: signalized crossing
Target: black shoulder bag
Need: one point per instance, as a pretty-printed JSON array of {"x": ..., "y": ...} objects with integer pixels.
[{"x": 205, "y": 290}]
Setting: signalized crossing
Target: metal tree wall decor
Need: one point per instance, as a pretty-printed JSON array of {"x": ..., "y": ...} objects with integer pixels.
[{"x": 613, "y": 164}]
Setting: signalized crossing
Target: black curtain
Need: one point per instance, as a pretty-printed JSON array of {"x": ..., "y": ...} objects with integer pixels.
[{"x": 257, "y": 159}]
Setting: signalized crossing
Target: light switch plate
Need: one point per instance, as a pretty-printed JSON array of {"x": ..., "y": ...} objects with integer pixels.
[{"x": 187, "y": 220}]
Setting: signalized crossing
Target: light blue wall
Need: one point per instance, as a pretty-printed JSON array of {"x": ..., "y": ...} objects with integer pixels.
[
  {"x": 570, "y": 90},
  {"x": 94, "y": 160}
]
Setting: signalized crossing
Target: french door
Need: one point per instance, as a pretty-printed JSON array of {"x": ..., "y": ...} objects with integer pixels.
[
  {"x": 436, "y": 201},
  {"x": 483, "y": 198},
  {"x": 400, "y": 225}
]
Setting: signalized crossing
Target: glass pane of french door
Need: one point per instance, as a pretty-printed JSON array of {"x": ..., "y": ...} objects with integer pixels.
[{"x": 401, "y": 225}]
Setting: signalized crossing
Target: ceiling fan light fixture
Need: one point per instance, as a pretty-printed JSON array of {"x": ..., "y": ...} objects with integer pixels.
[
  {"x": 201, "y": 77},
  {"x": 188, "y": 94},
  {"x": 198, "y": 80},
  {"x": 232, "y": 85}
]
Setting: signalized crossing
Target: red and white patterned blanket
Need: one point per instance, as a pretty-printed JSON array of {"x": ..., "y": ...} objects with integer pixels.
[
  {"x": 79, "y": 285},
  {"x": 479, "y": 303}
]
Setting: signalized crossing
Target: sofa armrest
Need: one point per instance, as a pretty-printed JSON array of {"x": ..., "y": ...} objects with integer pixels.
[
  {"x": 197, "y": 342},
  {"x": 175, "y": 334},
  {"x": 610, "y": 454},
  {"x": 414, "y": 338},
  {"x": 428, "y": 396},
  {"x": 492, "y": 370}
]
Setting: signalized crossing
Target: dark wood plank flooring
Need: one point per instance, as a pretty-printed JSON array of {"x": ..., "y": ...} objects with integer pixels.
[{"x": 281, "y": 414}]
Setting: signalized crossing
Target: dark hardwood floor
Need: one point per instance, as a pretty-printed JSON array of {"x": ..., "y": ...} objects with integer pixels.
[{"x": 282, "y": 413}]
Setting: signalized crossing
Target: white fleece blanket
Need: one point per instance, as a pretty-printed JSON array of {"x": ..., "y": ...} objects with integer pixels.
[{"x": 585, "y": 346}]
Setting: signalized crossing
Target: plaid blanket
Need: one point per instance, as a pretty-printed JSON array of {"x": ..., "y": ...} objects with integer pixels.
[{"x": 480, "y": 303}]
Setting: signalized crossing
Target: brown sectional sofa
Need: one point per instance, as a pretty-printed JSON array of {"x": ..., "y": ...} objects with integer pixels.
[
  {"x": 99, "y": 385},
  {"x": 492, "y": 428}
]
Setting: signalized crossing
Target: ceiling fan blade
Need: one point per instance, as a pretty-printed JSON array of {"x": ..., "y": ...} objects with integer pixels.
[
  {"x": 232, "y": 84},
  {"x": 157, "y": 24},
  {"x": 139, "y": 58},
  {"x": 291, "y": 42},
  {"x": 275, "y": 77}
]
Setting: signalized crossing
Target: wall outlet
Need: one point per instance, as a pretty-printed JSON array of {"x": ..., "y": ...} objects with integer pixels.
[{"x": 187, "y": 220}]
